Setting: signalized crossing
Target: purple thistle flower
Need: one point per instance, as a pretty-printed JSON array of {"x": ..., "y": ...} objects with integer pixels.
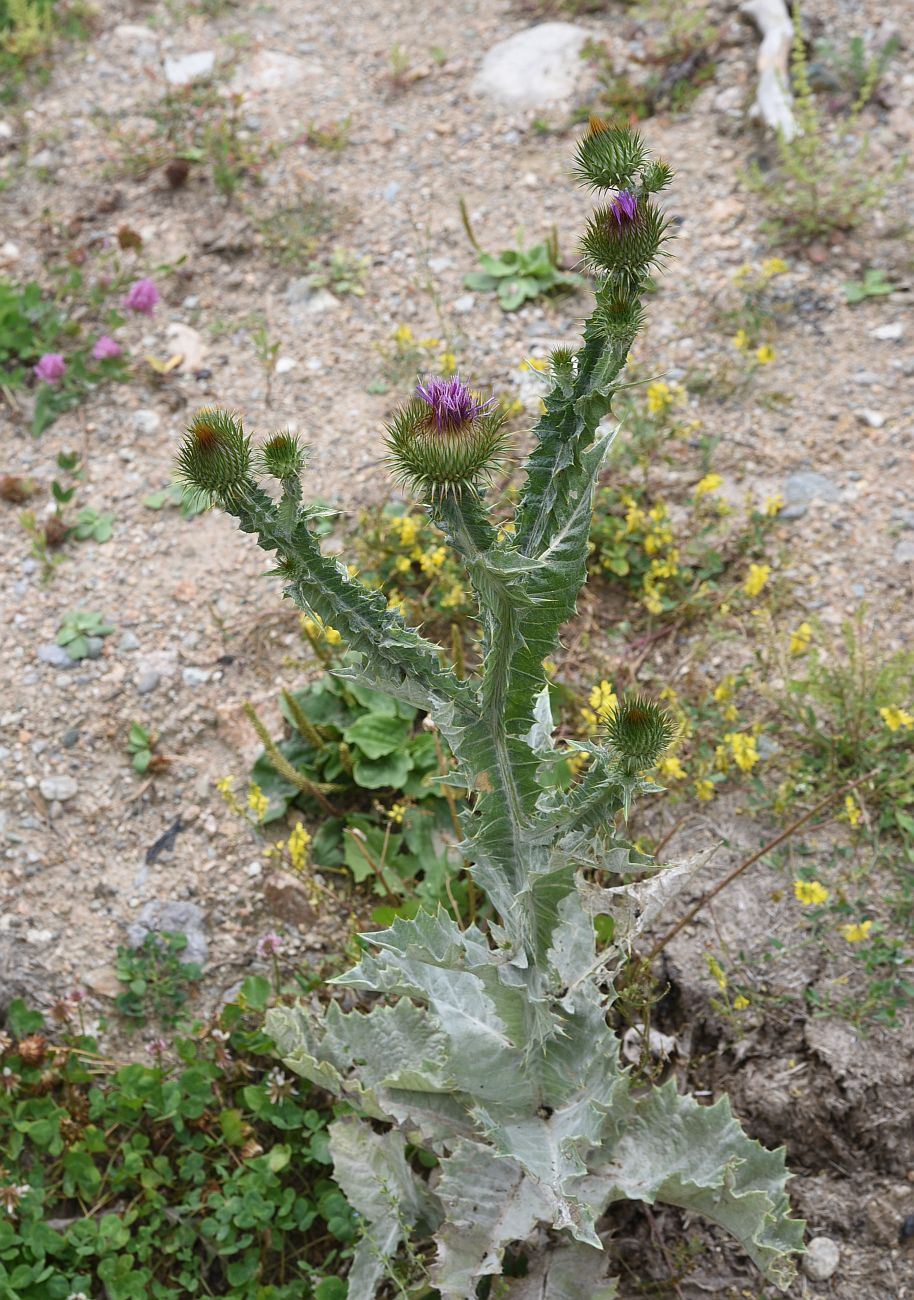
[
  {"x": 142, "y": 297},
  {"x": 624, "y": 208},
  {"x": 269, "y": 945},
  {"x": 106, "y": 348},
  {"x": 452, "y": 404},
  {"x": 51, "y": 368}
]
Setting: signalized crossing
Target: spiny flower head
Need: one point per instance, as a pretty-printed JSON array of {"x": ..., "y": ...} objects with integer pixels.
[
  {"x": 283, "y": 456},
  {"x": 215, "y": 458},
  {"x": 446, "y": 438},
  {"x": 451, "y": 403},
  {"x": 640, "y": 731}
]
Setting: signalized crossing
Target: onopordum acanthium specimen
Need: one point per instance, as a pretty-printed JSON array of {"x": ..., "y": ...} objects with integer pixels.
[{"x": 490, "y": 1045}]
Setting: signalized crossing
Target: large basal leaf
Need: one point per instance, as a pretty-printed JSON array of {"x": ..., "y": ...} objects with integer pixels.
[
  {"x": 376, "y": 1179},
  {"x": 566, "y": 1273},
  {"x": 377, "y": 735},
  {"x": 698, "y": 1157}
]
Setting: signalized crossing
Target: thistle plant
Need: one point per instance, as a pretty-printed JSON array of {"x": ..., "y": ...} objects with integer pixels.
[{"x": 490, "y": 1045}]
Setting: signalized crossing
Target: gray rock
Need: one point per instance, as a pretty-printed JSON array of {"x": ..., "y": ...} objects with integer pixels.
[
  {"x": 904, "y": 551},
  {"x": 188, "y": 67},
  {"x": 58, "y": 787},
  {"x": 804, "y": 487},
  {"x": 464, "y": 304},
  {"x": 147, "y": 681},
  {"x": 180, "y": 918},
  {"x": 145, "y": 421},
  {"x": 55, "y": 655},
  {"x": 128, "y": 643},
  {"x": 94, "y": 647},
  {"x": 537, "y": 66},
  {"x": 195, "y": 676},
  {"x": 821, "y": 1259},
  {"x": 70, "y": 738},
  {"x": 390, "y": 191},
  {"x": 274, "y": 70}
]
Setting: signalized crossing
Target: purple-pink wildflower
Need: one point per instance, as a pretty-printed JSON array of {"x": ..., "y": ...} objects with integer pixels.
[
  {"x": 452, "y": 404},
  {"x": 624, "y": 208},
  {"x": 269, "y": 945},
  {"x": 157, "y": 1047},
  {"x": 142, "y": 297},
  {"x": 51, "y": 368},
  {"x": 105, "y": 348}
]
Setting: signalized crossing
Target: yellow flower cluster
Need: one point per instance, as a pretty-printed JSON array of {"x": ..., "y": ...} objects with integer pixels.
[
  {"x": 724, "y": 694},
  {"x": 664, "y": 558},
  {"x": 716, "y": 971},
  {"x": 258, "y": 802},
  {"x": 535, "y": 363},
  {"x": 852, "y": 810},
  {"x": 603, "y": 702},
  {"x": 801, "y": 639},
  {"x": 403, "y": 336},
  {"x": 756, "y": 578},
  {"x": 774, "y": 505},
  {"x": 765, "y": 355},
  {"x": 856, "y": 933},
  {"x": 710, "y": 483},
  {"x": 670, "y": 769},
  {"x": 661, "y": 397},
  {"x": 743, "y": 748},
  {"x": 810, "y": 893},
  {"x": 315, "y": 627},
  {"x": 396, "y": 812},
  {"x": 407, "y": 529},
  {"x": 897, "y": 718},
  {"x": 453, "y": 598},
  {"x": 704, "y": 790},
  {"x": 430, "y": 561}
]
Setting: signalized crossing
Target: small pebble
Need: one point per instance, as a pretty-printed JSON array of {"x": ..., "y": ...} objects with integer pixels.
[
  {"x": 195, "y": 676},
  {"x": 58, "y": 787},
  {"x": 821, "y": 1259},
  {"x": 147, "y": 681},
  {"x": 873, "y": 419}
]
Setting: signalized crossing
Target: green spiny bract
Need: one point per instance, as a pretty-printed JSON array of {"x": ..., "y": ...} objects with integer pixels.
[
  {"x": 215, "y": 458},
  {"x": 283, "y": 456},
  {"x": 432, "y": 457},
  {"x": 491, "y": 1046}
]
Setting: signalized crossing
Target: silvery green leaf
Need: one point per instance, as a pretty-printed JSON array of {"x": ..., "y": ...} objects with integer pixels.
[
  {"x": 698, "y": 1157},
  {"x": 377, "y": 1181},
  {"x": 637, "y": 906},
  {"x": 488, "y": 1203},
  {"x": 540, "y": 734},
  {"x": 567, "y": 1273}
]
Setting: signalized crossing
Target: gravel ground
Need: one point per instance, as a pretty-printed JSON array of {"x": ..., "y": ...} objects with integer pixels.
[{"x": 196, "y": 627}]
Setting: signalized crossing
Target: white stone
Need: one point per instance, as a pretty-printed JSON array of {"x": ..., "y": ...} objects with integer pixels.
[
  {"x": 58, "y": 787},
  {"x": 889, "y": 333},
  {"x": 873, "y": 419},
  {"x": 146, "y": 421},
  {"x": 182, "y": 71},
  {"x": 537, "y": 66},
  {"x": 9, "y": 252},
  {"x": 320, "y": 301},
  {"x": 273, "y": 70},
  {"x": 821, "y": 1259},
  {"x": 39, "y": 936},
  {"x": 184, "y": 339},
  {"x": 284, "y": 365}
]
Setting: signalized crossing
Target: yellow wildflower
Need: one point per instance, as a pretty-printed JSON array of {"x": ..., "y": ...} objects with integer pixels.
[
  {"x": 773, "y": 266},
  {"x": 396, "y": 813},
  {"x": 550, "y": 667},
  {"x": 801, "y": 639},
  {"x": 809, "y": 892},
  {"x": 447, "y": 363},
  {"x": 710, "y": 483},
  {"x": 670, "y": 769},
  {"x": 852, "y": 810},
  {"x": 298, "y": 842},
  {"x": 406, "y": 528},
  {"x": 453, "y": 598},
  {"x": 743, "y": 748},
  {"x": 535, "y": 363},
  {"x": 403, "y": 564},
  {"x": 332, "y": 635},
  {"x": 726, "y": 689},
  {"x": 257, "y": 801},
  {"x": 397, "y": 604},
  {"x": 603, "y": 699},
  {"x": 403, "y": 336},
  {"x": 352, "y": 570},
  {"x": 774, "y": 505},
  {"x": 895, "y": 718},
  {"x": 429, "y": 344},
  {"x": 765, "y": 355},
  {"x": 756, "y": 578},
  {"x": 741, "y": 341},
  {"x": 224, "y": 785},
  {"x": 704, "y": 790},
  {"x": 857, "y": 933},
  {"x": 432, "y": 560},
  {"x": 740, "y": 1002},
  {"x": 659, "y": 397},
  {"x": 717, "y": 971}
]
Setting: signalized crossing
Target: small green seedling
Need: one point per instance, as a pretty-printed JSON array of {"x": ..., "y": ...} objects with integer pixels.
[
  {"x": 140, "y": 746},
  {"x": 80, "y": 632},
  {"x": 873, "y": 285},
  {"x": 157, "y": 982},
  {"x": 176, "y": 496},
  {"x": 518, "y": 274},
  {"x": 94, "y": 525}
]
